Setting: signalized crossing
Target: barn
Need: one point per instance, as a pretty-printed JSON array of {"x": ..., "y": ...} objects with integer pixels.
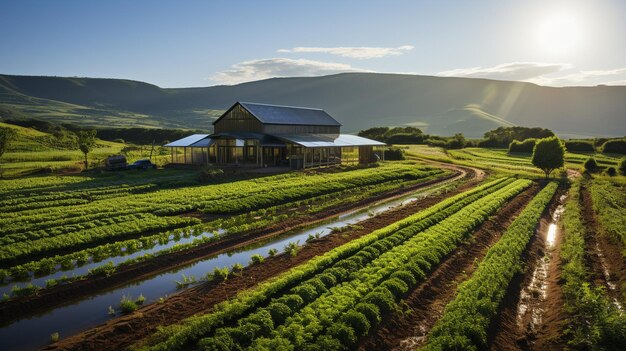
[{"x": 262, "y": 135}]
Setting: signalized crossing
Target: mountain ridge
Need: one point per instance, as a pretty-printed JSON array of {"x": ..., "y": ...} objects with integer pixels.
[{"x": 441, "y": 105}]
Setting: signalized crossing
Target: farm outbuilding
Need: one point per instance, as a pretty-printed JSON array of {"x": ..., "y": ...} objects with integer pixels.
[{"x": 271, "y": 135}]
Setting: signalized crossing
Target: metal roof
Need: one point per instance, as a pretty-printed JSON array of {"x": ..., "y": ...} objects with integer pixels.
[
  {"x": 206, "y": 142},
  {"x": 187, "y": 141},
  {"x": 278, "y": 114},
  {"x": 317, "y": 140}
]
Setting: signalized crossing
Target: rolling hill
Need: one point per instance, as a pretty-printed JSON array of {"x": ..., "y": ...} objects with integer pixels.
[{"x": 439, "y": 105}]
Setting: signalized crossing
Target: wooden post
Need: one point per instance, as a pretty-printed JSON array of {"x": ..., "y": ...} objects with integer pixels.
[{"x": 185, "y": 154}]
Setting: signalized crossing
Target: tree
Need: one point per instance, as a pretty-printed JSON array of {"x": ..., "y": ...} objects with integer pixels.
[
  {"x": 6, "y": 136},
  {"x": 548, "y": 154},
  {"x": 86, "y": 142},
  {"x": 591, "y": 165}
]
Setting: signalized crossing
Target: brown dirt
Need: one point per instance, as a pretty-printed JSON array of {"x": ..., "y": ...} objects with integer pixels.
[
  {"x": 121, "y": 332},
  {"x": 65, "y": 293},
  {"x": 509, "y": 331},
  {"x": 424, "y": 305},
  {"x": 598, "y": 244}
]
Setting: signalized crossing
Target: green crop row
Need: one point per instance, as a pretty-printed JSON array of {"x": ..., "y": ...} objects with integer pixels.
[
  {"x": 328, "y": 265},
  {"x": 231, "y": 197},
  {"x": 51, "y": 245},
  {"x": 609, "y": 204},
  {"x": 335, "y": 320},
  {"x": 593, "y": 321},
  {"x": 464, "y": 323},
  {"x": 229, "y": 226}
]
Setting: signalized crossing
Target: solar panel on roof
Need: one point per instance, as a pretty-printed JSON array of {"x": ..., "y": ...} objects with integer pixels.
[{"x": 276, "y": 114}]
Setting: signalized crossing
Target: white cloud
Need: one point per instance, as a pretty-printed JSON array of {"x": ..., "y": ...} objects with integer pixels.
[
  {"x": 508, "y": 71},
  {"x": 542, "y": 73},
  {"x": 361, "y": 52},
  {"x": 280, "y": 67},
  {"x": 585, "y": 78}
]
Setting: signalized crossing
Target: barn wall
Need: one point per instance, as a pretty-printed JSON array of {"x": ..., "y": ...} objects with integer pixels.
[{"x": 238, "y": 120}]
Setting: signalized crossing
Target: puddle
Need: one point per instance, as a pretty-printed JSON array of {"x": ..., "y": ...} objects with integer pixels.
[
  {"x": 34, "y": 332},
  {"x": 530, "y": 308},
  {"x": 610, "y": 283}
]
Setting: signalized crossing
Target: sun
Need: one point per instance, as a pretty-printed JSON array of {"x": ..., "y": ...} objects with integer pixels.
[{"x": 560, "y": 33}]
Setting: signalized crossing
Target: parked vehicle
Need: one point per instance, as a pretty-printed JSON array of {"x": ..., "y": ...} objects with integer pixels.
[
  {"x": 114, "y": 163},
  {"x": 142, "y": 164}
]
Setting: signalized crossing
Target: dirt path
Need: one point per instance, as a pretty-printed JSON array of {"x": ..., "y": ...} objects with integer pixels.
[
  {"x": 60, "y": 295},
  {"x": 531, "y": 315},
  {"x": 604, "y": 259},
  {"x": 121, "y": 332},
  {"x": 424, "y": 305}
]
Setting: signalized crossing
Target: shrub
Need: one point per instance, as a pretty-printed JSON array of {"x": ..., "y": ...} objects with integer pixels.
[
  {"x": 272, "y": 252},
  {"x": 525, "y": 146},
  {"x": 405, "y": 276},
  {"x": 591, "y": 165},
  {"x": 580, "y": 146},
  {"x": 370, "y": 311},
  {"x": 256, "y": 259},
  {"x": 306, "y": 291},
  {"x": 615, "y": 147},
  {"x": 237, "y": 267},
  {"x": 396, "y": 286},
  {"x": 622, "y": 166},
  {"x": 357, "y": 321},
  {"x": 54, "y": 337},
  {"x": 611, "y": 171},
  {"x": 343, "y": 333},
  {"x": 328, "y": 279},
  {"x": 279, "y": 312},
  {"x": 220, "y": 274},
  {"x": 383, "y": 301},
  {"x": 394, "y": 154},
  {"x": 127, "y": 305},
  {"x": 261, "y": 319},
  {"x": 292, "y": 301},
  {"x": 292, "y": 248}
]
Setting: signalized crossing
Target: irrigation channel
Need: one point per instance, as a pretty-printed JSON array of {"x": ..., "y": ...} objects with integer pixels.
[{"x": 33, "y": 333}]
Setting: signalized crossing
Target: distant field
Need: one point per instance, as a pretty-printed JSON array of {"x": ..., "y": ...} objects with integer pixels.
[
  {"x": 34, "y": 151},
  {"x": 501, "y": 162}
]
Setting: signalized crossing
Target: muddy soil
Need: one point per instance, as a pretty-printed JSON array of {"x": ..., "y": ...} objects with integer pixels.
[
  {"x": 424, "y": 305},
  {"x": 121, "y": 332},
  {"x": 66, "y": 293},
  {"x": 531, "y": 314},
  {"x": 603, "y": 257}
]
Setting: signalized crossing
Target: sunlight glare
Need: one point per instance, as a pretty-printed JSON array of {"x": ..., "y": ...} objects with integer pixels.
[{"x": 560, "y": 33}]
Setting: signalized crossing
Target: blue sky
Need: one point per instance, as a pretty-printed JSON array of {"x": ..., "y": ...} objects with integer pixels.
[{"x": 202, "y": 43}]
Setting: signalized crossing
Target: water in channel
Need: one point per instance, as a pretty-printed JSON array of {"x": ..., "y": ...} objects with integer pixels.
[{"x": 34, "y": 332}]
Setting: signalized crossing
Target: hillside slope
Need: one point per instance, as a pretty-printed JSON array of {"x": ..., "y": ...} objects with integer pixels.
[{"x": 439, "y": 105}]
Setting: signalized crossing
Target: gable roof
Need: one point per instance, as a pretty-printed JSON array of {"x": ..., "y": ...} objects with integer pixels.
[{"x": 278, "y": 114}]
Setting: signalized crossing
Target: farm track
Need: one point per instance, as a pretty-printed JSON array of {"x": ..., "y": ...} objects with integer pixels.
[
  {"x": 537, "y": 292},
  {"x": 423, "y": 306},
  {"x": 603, "y": 258},
  {"x": 65, "y": 294},
  {"x": 123, "y": 331}
]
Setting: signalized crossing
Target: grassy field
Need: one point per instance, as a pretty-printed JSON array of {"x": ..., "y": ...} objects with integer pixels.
[
  {"x": 33, "y": 151},
  {"x": 502, "y": 163},
  {"x": 463, "y": 251}
]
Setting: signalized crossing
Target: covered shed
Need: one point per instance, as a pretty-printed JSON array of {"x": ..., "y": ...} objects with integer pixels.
[{"x": 273, "y": 135}]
